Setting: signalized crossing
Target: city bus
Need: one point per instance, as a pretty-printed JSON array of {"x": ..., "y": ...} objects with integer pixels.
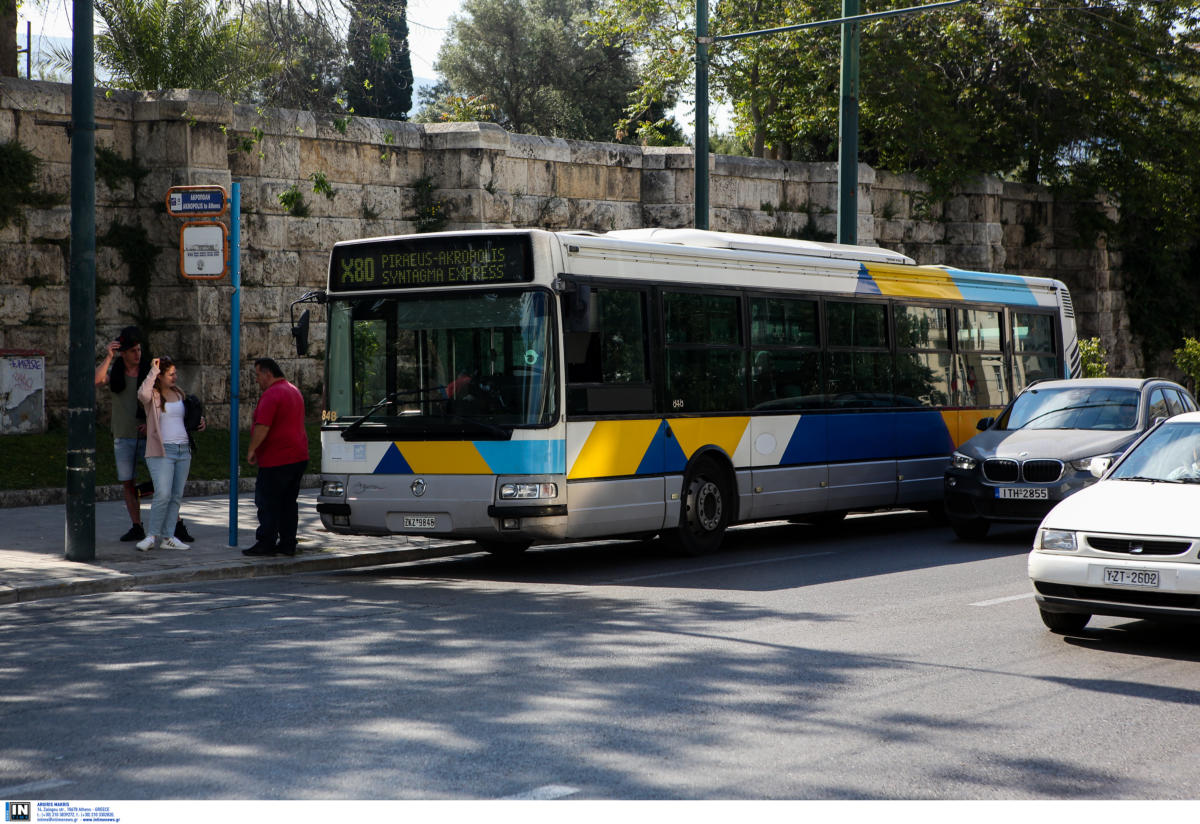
[{"x": 514, "y": 387}]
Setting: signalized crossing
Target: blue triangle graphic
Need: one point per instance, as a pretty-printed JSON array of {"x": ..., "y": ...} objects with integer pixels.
[
  {"x": 664, "y": 453},
  {"x": 393, "y": 463},
  {"x": 866, "y": 284}
]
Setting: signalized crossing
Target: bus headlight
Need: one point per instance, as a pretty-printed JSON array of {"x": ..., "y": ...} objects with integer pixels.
[
  {"x": 332, "y": 489},
  {"x": 527, "y": 492}
]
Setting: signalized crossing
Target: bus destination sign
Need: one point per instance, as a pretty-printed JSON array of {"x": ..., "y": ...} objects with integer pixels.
[{"x": 421, "y": 263}]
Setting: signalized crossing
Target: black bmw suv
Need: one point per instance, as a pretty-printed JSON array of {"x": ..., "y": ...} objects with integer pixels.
[{"x": 1041, "y": 447}]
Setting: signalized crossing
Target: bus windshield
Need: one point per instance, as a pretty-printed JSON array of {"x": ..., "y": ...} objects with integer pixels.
[{"x": 474, "y": 364}]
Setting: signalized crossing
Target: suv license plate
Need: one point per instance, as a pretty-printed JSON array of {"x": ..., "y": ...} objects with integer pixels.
[
  {"x": 1131, "y": 577},
  {"x": 420, "y": 522},
  {"x": 1023, "y": 493}
]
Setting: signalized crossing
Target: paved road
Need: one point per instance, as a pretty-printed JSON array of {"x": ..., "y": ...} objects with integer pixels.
[{"x": 884, "y": 660}]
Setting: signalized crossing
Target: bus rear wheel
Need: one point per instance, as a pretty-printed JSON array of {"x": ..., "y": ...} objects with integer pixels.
[{"x": 704, "y": 515}]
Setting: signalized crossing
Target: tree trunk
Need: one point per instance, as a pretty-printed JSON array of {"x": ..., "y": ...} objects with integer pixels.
[{"x": 8, "y": 38}]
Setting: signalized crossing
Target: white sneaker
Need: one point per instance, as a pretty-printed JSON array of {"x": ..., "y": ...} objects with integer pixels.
[
  {"x": 174, "y": 543},
  {"x": 146, "y": 544}
]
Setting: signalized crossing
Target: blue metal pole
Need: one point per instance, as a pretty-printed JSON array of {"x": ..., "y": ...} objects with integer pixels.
[{"x": 235, "y": 354}]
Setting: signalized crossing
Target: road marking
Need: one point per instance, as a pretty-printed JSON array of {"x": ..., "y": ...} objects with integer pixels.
[
  {"x": 1002, "y": 600},
  {"x": 32, "y": 787},
  {"x": 546, "y": 793},
  {"x": 679, "y": 572}
]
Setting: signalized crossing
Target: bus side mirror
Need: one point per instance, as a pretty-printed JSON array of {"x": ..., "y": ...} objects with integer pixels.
[
  {"x": 984, "y": 423},
  {"x": 300, "y": 333},
  {"x": 1099, "y": 466}
]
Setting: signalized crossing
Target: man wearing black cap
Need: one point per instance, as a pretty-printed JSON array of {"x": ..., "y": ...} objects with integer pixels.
[{"x": 128, "y": 421}]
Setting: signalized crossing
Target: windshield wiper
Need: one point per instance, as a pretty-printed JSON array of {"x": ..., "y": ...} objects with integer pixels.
[
  {"x": 388, "y": 398},
  {"x": 1153, "y": 480}
]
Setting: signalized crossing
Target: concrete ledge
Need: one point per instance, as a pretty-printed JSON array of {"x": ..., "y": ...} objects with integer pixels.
[{"x": 237, "y": 568}]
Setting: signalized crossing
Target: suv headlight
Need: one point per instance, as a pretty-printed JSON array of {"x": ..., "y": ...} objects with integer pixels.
[
  {"x": 1085, "y": 464},
  {"x": 1059, "y": 539},
  {"x": 524, "y": 492},
  {"x": 962, "y": 461}
]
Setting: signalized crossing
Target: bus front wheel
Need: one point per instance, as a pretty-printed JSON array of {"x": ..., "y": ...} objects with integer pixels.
[{"x": 704, "y": 515}]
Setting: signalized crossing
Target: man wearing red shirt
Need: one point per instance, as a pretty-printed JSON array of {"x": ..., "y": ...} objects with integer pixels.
[{"x": 279, "y": 448}]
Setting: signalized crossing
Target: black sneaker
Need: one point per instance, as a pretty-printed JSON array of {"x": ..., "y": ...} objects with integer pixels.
[
  {"x": 259, "y": 550},
  {"x": 285, "y": 549},
  {"x": 182, "y": 534},
  {"x": 135, "y": 533}
]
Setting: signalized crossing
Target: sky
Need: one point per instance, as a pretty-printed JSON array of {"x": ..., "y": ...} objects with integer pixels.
[
  {"x": 428, "y": 21},
  {"x": 427, "y": 24}
]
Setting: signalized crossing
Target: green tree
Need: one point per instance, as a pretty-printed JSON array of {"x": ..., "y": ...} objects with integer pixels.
[
  {"x": 535, "y": 61},
  {"x": 1095, "y": 359},
  {"x": 309, "y": 54},
  {"x": 179, "y": 44},
  {"x": 1091, "y": 99},
  {"x": 8, "y": 38},
  {"x": 379, "y": 78},
  {"x": 1187, "y": 358}
]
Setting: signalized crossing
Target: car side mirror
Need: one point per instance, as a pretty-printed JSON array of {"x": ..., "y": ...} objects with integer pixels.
[
  {"x": 300, "y": 333},
  {"x": 984, "y": 423},
  {"x": 1099, "y": 466}
]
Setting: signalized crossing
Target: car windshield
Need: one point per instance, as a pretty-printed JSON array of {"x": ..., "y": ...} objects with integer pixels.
[
  {"x": 1090, "y": 407},
  {"x": 1169, "y": 453}
]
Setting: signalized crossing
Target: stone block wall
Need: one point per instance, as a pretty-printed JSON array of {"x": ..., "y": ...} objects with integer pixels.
[{"x": 378, "y": 177}]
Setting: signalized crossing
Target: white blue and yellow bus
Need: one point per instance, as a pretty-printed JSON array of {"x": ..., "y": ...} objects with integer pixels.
[{"x": 514, "y": 387}]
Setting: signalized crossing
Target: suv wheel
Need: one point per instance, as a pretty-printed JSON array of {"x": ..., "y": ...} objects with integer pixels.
[{"x": 970, "y": 529}]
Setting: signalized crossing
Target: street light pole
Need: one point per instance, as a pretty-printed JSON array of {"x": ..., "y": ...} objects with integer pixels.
[
  {"x": 848, "y": 118},
  {"x": 847, "y": 231},
  {"x": 701, "y": 180},
  {"x": 81, "y": 388}
]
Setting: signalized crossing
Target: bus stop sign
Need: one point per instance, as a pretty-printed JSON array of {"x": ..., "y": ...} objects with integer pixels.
[{"x": 196, "y": 201}]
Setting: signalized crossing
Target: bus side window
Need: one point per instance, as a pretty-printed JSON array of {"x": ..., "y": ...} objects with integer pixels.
[
  {"x": 705, "y": 360},
  {"x": 605, "y": 342}
]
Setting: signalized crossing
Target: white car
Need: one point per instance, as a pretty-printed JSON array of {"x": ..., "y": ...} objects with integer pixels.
[{"x": 1127, "y": 545}]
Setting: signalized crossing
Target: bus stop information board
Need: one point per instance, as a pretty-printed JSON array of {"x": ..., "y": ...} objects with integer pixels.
[
  {"x": 202, "y": 250},
  {"x": 421, "y": 263}
]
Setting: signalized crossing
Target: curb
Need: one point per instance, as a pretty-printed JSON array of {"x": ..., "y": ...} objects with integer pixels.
[
  {"x": 115, "y": 492},
  {"x": 322, "y": 561}
]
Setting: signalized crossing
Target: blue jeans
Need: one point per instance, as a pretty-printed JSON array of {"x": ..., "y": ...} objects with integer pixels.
[
  {"x": 126, "y": 452},
  {"x": 169, "y": 473}
]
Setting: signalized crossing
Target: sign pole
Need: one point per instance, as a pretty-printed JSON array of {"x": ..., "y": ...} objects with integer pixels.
[{"x": 235, "y": 354}]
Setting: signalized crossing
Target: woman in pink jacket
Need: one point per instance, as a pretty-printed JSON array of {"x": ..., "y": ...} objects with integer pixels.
[{"x": 168, "y": 451}]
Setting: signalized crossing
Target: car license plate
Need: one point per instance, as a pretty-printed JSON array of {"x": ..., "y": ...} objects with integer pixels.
[
  {"x": 1023, "y": 493},
  {"x": 1131, "y": 577},
  {"x": 420, "y": 522}
]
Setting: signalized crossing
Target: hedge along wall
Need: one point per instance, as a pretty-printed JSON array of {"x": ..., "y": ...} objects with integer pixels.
[{"x": 308, "y": 181}]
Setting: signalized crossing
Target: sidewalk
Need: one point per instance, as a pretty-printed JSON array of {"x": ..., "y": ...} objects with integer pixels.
[{"x": 33, "y": 544}]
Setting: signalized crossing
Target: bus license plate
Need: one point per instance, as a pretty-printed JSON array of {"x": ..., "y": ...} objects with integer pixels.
[
  {"x": 420, "y": 522},
  {"x": 1131, "y": 577},
  {"x": 1023, "y": 493}
]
